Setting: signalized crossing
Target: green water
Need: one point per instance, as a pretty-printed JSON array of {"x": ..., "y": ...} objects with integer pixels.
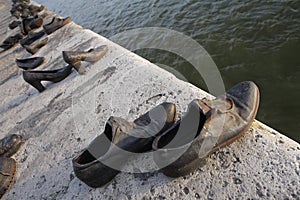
[{"x": 248, "y": 40}]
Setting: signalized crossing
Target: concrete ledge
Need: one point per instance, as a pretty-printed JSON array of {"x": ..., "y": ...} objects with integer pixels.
[{"x": 64, "y": 119}]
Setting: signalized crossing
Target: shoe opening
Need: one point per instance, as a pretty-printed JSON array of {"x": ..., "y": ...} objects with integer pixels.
[
  {"x": 183, "y": 131},
  {"x": 99, "y": 146}
]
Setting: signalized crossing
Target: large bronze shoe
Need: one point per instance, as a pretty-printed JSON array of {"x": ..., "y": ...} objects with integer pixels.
[
  {"x": 101, "y": 161},
  {"x": 34, "y": 78},
  {"x": 7, "y": 173},
  {"x": 184, "y": 147},
  {"x": 30, "y": 63},
  {"x": 75, "y": 57},
  {"x": 35, "y": 47},
  {"x": 56, "y": 24}
]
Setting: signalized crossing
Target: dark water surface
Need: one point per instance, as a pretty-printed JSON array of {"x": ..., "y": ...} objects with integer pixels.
[{"x": 248, "y": 40}]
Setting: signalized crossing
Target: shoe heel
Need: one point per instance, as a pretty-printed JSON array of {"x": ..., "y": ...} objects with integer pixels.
[
  {"x": 79, "y": 68},
  {"x": 37, "y": 85}
]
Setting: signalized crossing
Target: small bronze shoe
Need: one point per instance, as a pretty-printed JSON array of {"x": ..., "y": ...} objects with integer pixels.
[
  {"x": 75, "y": 57},
  {"x": 10, "y": 144},
  {"x": 92, "y": 55},
  {"x": 7, "y": 173},
  {"x": 102, "y": 160},
  {"x": 56, "y": 24},
  {"x": 11, "y": 41},
  {"x": 14, "y": 24},
  {"x": 31, "y": 38},
  {"x": 30, "y": 63},
  {"x": 29, "y": 24},
  {"x": 35, "y": 9},
  {"x": 36, "y": 46},
  {"x": 34, "y": 78},
  {"x": 182, "y": 149}
]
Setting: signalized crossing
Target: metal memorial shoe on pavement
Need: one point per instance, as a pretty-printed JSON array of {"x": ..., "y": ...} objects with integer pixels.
[
  {"x": 31, "y": 38},
  {"x": 29, "y": 24},
  {"x": 30, "y": 63},
  {"x": 11, "y": 41},
  {"x": 96, "y": 165},
  {"x": 34, "y": 78},
  {"x": 75, "y": 57},
  {"x": 183, "y": 148},
  {"x": 56, "y": 24},
  {"x": 35, "y": 47}
]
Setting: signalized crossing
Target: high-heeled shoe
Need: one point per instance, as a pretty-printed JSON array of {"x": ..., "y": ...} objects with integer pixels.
[
  {"x": 30, "y": 63},
  {"x": 36, "y": 46},
  {"x": 56, "y": 24},
  {"x": 34, "y": 78},
  {"x": 75, "y": 57},
  {"x": 183, "y": 148},
  {"x": 96, "y": 165},
  {"x": 10, "y": 144},
  {"x": 92, "y": 55}
]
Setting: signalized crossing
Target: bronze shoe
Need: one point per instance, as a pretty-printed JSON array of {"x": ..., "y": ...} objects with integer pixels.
[
  {"x": 31, "y": 38},
  {"x": 36, "y": 46},
  {"x": 29, "y": 24},
  {"x": 96, "y": 165},
  {"x": 35, "y": 9},
  {"x": 75, "y": 57},
  {"x": 30, "y": 63},
  {"x": 183, "y": 148},
  {"x": 56, "y": 24},
  {"x": 7, "y": 173},
  {"x": 11, "y": 41},
  {"x": 10, "y": 144},
  {"x": 14, "y": 24},
  {"x": 34, "y": 78}
]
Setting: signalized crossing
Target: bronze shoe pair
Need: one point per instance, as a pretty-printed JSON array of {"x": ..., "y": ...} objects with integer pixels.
[
  {"x": 75, "y": 57},
  {"x": 182, "y": 148},
  {"x": 8, "y": 146}
]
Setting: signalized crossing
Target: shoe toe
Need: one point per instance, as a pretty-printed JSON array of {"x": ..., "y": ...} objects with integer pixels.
[{"x": 245, "y": 96}]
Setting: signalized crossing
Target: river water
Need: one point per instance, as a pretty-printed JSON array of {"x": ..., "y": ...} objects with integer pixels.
[{"x": 248, "y": 40}]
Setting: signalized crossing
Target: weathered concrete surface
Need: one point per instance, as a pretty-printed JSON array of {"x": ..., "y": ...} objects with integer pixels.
[{"x": 61, "y": 121}]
